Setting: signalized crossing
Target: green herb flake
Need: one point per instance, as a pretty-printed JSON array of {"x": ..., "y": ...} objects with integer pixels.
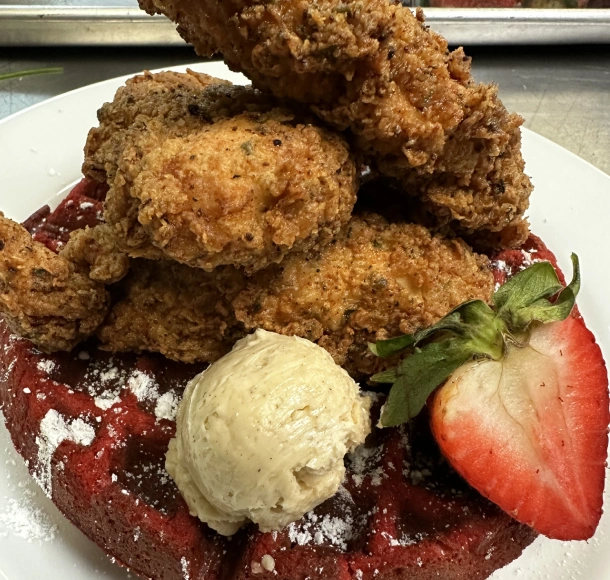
[{"x": 247, "y": 147}]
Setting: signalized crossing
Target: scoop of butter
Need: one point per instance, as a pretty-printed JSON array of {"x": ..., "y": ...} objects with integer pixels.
[{"x": 261, "y": 434}]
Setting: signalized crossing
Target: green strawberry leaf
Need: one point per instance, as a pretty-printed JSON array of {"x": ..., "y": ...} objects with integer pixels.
[
  {"x": 574, "y": 285},
  {"x": 546, "y": 311},
  {"x": 417, "y": 377},
  {"x": 452, "y": 322},
  {"x": 466, "y": 320},
  {"x": 389, "y": 376},
  {"x": 523, "y": 289},
  {"x": 34, "y": 71},
  {"x": 392, "y": 346}
]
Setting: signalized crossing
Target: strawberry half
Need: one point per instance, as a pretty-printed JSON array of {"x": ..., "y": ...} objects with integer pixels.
[
  {"x": 529, "y": 431},
  {"x": 523, "y": 415}
]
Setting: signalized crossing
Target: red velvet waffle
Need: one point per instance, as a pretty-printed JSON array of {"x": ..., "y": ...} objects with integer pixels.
[{"x": 402, "y": 513}]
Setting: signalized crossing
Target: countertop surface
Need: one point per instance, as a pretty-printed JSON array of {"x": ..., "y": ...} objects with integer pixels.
[{"x": 563, "y": 93}]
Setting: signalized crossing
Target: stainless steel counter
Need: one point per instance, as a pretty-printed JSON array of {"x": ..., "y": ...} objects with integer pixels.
[
  {"x": 121, "y": 22},
  {"x": 562, "y": 92}
]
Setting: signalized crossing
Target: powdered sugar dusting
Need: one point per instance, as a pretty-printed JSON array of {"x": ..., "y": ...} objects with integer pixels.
[
  {"x": 363, "y": 463},
  {"x": 19, "y": 513},
  {"x": 46, "y": 366},
  {"x": 327, "y": 529},
  {"x": 109, "y": 374},
  {"x": 107, "y": 381},
  {"x": 25, "y": 520},
  {"x": 334, "y": 530},
  {"x": 502, "y": 267},
  {"x": 103, "y": 380},
  {"x": 54, "y": 430},
  {"x": 511, "y": 269},
  {"x": 407, "y": 541},
  {"x": 185, "y": 568},
  {"x": 167, "y": 406},
  {"x": 106, "y": 399},
  {"x": 143, "y": 386}
]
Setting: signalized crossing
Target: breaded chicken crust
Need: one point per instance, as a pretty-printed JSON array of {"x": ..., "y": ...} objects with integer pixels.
[
  {"x": 43, "y": 296},
  {"x": 376, "y": 69},
  {"x": 240, "y": 181},
  {"x": 377, "y": 280},
  {"x": 172, "y": 309}
]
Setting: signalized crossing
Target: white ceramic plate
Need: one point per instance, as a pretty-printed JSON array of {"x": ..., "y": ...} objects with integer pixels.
[{"x": 40, "y": 156}]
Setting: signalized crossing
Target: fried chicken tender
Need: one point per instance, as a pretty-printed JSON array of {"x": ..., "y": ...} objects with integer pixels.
[
  {"x": 374, "y": 68},
  {"x": 242, "y": 191},
  {"x": 490, "y": 196},
  {"x": 172, "y": 309},
  {"x": 376, "y": 281},
  {"x": 244, "y": 183},
  {"x": 147, "y": 102},
  {"x": 43, "y": 296}
]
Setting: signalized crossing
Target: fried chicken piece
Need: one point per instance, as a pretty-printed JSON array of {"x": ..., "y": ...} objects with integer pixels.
[
  {"x": 374, "y": 68},
  {"x": 493, "y": 199},
  {"x": 467, "y": 201},
  {"x": 147, "y": 102},
  {"x": 172, "y": 309},
  {"x": 242, "y": 191},
  {"x": 165, "y": 104},
  {"x": 376, "y": 281},
  {"x": 244, "y": 183},
  {"x": 43, "y": 296}
]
